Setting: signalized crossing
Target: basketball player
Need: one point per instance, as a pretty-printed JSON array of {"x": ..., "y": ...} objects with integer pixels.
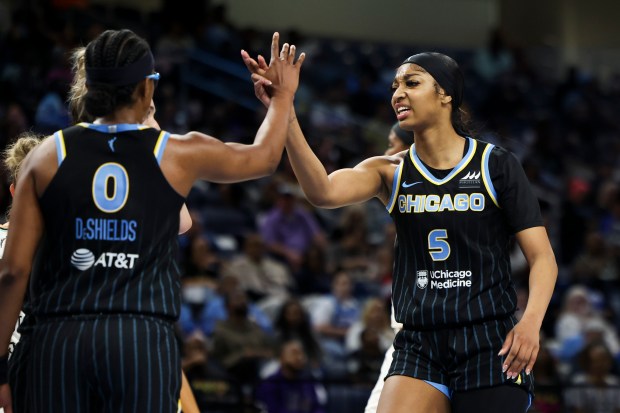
[
  {"x": 456, "y": 202},
  {"x": 78, "y": 113},
  {"x": 77, "y": 92},
  {"x": 105, "y": 287},
  {"x": 13, "y": 157}
]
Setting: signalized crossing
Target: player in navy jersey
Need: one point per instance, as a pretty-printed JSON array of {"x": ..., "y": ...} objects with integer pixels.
[
  {"x": 14, "y": 155},
  {"x": 99, "y": 204},
  {"x": 77, "y": 92},
  {"x": 456, "y": 203}
]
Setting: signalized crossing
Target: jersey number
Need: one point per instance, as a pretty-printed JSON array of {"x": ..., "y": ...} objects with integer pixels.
[
  {"x": 438, "y": 247},
  {"x": 110, "y": 187}
]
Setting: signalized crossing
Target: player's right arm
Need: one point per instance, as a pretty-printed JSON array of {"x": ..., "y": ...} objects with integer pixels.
[
  {"x": 343, "y": 187},
  {"x": 199, "y": 156}
]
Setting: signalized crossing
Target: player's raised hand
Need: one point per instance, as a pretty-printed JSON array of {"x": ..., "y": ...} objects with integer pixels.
[{"x": 280, "y": 76}]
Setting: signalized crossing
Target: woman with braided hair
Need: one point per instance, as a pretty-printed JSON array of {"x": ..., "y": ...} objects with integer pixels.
[
  {"x": 98, "y": 204},
  {"x": 13, "y": 158}
]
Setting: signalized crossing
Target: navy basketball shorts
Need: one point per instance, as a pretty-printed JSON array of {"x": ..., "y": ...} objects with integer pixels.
[
  {"x": 461, "y": 358},
  {"x": 104, "y": 363},
  {"x": 18, "y": 371}
]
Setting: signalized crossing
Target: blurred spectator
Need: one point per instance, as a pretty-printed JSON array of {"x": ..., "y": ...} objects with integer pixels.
[
  {"x": 172, "y": 47},
  {"x": 351, "y": 251},
  {"x": 495, "y": 59},
  {"x": 578, "y": 320},
  {"x": 577, "y": 212},
  {"x": 595, "y": 266},
  {"x": 202, "y": 259},
  {"x": 595, "y": 389},
  {"x": 365, "y": 362},
  {"x": 239, "y": 344},
  {"x": 293, "y": 323},
  {"x": 215, "y": 309},
  {"x": 291, "y": 389},
  {"x": 313, "y": 276},
  {"x": 332, "y": 319},
  {"x": 289, "y": 230},
  {"x": 215, "y": 390},
  {"x": 375, "y": 317},
  {"x": 259, "y": 275},
  {"x": 549, "y": 392},
  {"x": 52, "y": 113}
]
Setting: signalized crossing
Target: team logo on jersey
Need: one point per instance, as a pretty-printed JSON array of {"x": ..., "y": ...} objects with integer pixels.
[
  {"x": 422, "y": 279},
  {"x": 83, "y": 259},
  {"x": 470, "y": 180},
  {"x": 111, "y": 143}
]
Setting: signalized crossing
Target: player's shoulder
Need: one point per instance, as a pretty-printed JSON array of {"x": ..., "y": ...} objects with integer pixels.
[
  {"x": 382, "y": 161},
  {"x": 497, "y": 153},
  {"x": 192, "y": 138}
]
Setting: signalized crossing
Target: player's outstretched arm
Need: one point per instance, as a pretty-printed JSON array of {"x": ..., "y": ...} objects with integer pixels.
[
  {"x": 213, "y": 160},
  {"x": 343, "y": 187}
]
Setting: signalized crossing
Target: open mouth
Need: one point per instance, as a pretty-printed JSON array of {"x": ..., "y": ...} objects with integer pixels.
[{"x": 402, "y": 112}]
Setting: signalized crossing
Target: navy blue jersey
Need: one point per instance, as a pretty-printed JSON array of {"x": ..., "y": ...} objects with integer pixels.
[
  {"x": 452, "y": 264},
  {"x": 111, "y": 224}
]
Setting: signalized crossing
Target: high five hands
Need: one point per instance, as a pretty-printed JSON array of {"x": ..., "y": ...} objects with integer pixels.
[{"x": 268, "y": 78}]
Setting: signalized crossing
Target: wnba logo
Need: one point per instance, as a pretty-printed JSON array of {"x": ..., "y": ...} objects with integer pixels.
[
  {"x": 82, "y": 259},
  {"x": 422, "y": 280}
]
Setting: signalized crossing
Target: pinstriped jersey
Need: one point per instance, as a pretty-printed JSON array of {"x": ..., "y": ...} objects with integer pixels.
[
  {"x": 452, "y": 264},
  {"x": 111, "y": 224}
]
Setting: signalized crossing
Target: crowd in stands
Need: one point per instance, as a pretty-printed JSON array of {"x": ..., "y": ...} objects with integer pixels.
[{"x": 286, "y": 308}]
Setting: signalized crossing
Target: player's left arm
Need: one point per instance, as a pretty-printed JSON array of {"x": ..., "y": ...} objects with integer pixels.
[{"x": 523, "y": 341}]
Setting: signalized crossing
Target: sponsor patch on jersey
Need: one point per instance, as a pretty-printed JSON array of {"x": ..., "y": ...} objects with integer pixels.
[
  {"x": 83, "y": 259},
  {"x": 443, "y": 279},
  {"x": 422, "y": 279},
  {"x": 470, "y": 180}
]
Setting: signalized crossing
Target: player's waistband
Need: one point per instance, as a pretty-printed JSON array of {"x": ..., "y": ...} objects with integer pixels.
[
  {"x": 55, "y": 318},
  {"x": 450, "y": 326}
]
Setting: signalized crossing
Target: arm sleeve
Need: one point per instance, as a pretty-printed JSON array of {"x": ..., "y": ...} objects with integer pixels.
[{"x": 514, "y": 193}]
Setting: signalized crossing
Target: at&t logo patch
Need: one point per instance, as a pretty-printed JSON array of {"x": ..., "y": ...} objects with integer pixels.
[{"x": 83, "y": 259}]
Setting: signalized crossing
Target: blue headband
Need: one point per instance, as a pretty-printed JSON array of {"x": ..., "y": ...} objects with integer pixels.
[
  {"x": 445, "y": 71},
  {"x": 120, "y": 76}
]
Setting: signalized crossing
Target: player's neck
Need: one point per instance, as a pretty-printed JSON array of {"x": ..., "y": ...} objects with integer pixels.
[
  {"x": 129, "y": 115},
  {"x": 440, "y": 149}
]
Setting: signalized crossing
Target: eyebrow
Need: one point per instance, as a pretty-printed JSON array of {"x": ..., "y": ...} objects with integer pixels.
[{"x": 406, "y": 76}]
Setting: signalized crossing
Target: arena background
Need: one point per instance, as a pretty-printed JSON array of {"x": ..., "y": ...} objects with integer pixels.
[{"x": 542, "y": 79}]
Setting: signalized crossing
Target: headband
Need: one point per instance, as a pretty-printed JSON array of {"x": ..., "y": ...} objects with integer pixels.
[
  {"x": 120, "y": 76},
  {"x": 445, "y": 71}
]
